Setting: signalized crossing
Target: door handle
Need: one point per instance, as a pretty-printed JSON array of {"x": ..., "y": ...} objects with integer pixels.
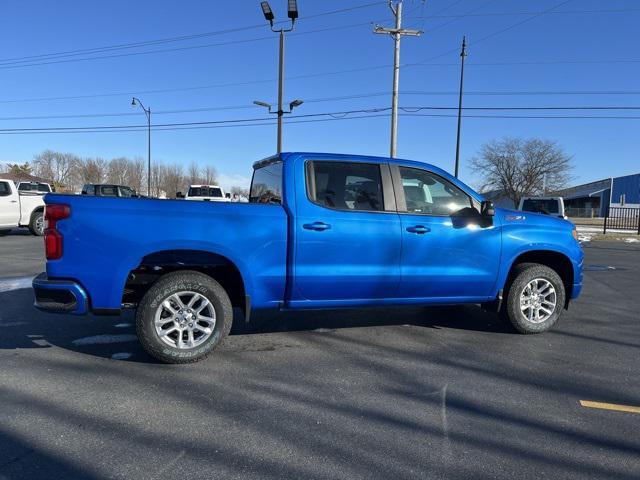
[
  {"x": 317, "y": 226},
  {"x": 14, "y": 201},
  {"x": 419, "y": 229}
]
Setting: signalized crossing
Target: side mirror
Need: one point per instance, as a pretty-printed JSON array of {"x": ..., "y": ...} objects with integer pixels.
[
  {"x": 179, "y": 195},
  {"x": 227, "y": 195},
  {"x": 487, "y": 209}
]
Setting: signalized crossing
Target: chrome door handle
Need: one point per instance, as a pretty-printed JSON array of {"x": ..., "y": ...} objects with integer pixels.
[
  {"x": 419, "y": 229},
  {"x": 317, "y": 226}
]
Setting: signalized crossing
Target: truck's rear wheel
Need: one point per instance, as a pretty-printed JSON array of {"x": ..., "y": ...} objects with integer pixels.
[
  {"x": 183, "y": 317},
  {"x": 36, "y": 224},
  {"x": 535, "y": 298}
]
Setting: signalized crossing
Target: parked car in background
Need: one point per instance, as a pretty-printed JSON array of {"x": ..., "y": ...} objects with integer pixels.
[
  {"x": 34, "y": 187},
  {"x": 320, "y": 231},
  {"x": 553, "y": 206},
  {"x": 106, "y": 190},
  {"x": 20, "y": 209},
  {"x": 205, "y": 193}
]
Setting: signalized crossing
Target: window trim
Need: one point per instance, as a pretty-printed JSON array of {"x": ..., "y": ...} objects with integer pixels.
[
  {"x": 386, "y": 185},
  {"x": 400, "y": 198}
]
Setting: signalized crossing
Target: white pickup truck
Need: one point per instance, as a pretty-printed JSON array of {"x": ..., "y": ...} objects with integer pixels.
[
  {"x": 205, "y": 193},
  {"x": 20, "y": 209}
]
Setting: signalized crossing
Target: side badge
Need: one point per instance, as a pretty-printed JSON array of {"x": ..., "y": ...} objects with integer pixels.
[{"x": 514, "y": 218}]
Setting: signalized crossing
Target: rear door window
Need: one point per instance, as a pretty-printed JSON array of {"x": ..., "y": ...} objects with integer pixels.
[
  {"x": 345, "y": 185},
  {"x": 266, "y": 186},
  {"x": 108, "y": 191}
]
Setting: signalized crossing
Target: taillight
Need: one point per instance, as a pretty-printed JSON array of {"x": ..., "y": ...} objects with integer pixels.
[{"x": 52, "y": 237}]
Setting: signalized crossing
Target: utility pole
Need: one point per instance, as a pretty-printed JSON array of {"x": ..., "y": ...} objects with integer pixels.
[
  {"x": 397, "y": 34},
  {"x": 463, "y": 55}
]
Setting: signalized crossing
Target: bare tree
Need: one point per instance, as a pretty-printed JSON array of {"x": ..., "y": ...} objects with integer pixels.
[
  {"x": 194, "y": 175},
  {"x": 56, "y": 166},
  {"x": 137, "y": 174},
  {"x": 209, "y": 175},
  {"x": 173, "y": 179},
  {"x": 520, "y": 167},
  {"x": 90, "y": 170}
]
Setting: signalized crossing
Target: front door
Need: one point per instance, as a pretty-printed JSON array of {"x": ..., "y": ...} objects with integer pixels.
[
  {"x": 9, "y": 206},
  {"x": 347, "y": 234},
  {"x": 448, "y": 250}
]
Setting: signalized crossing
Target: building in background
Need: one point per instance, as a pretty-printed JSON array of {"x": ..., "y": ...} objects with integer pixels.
[
  {"x": 593, "y": 199},
  {"x": 588, "y": 200}
]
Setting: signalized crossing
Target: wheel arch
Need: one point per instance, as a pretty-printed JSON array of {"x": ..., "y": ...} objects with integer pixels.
[
  {"x": 219, "y": 267},
  {"x": 557, "y": 261}
]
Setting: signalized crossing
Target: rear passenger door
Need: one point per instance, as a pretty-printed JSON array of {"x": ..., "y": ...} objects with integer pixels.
[{"x": 347, "y": 234}]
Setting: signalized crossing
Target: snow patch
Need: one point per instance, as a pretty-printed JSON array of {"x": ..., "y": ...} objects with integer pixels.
[
  {"x": 631, "y": 240},
  {"x": 9, "y": 284},
  {"x": 104, "y": 339}
]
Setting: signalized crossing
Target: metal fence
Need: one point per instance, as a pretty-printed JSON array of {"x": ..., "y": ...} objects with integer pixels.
[
  {"x": 622, "y": 218},
  {"x": 575, "y": 212}
]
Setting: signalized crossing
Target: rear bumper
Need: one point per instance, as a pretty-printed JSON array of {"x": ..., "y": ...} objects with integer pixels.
[{"x": 59, "y": 296}]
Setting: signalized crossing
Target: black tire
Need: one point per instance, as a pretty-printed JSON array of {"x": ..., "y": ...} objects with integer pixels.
[
  {"x": 4, "y": 232},
  {"x": 36, "y": 224},
  {"x": 165, "y": 287},
  {"x": 521, "y": 276}
]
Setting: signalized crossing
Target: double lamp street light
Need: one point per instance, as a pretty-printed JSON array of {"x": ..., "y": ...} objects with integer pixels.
[{"x": 268, "y": 15}]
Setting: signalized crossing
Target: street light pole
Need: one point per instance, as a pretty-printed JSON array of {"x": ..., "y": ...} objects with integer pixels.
[
  {"x": 397, "y": 34},
  {"x": 268, "y": 15},
  {"x": 147, "y": 111},
  {"x": 280, "y": 90},
  {"x": 463, "y": 55}
]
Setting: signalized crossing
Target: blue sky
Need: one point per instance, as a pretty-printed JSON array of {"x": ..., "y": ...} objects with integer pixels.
[{"x": 555, "y": 52}]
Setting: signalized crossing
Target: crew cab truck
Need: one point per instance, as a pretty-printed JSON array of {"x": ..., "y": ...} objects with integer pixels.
[
  {"x": 320, "y": 231},
  {"x": 20, "y": 209}
]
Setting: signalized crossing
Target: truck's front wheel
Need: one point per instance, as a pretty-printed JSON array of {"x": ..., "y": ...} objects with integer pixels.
[
  {"x": 535, "y": 298},
  {"x": 183, "y": 317}
]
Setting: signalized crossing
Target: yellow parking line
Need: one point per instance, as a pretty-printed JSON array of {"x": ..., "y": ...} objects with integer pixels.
[{"x": 610, "y": 406}]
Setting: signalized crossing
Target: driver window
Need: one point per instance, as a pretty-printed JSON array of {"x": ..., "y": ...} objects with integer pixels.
[{"x": 428, "y": 194}]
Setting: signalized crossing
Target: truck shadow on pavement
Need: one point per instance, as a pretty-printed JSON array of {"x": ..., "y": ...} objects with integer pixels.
[{"x": 114, "y": 337}]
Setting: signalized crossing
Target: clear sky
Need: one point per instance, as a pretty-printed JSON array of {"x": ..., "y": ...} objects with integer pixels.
[{"x": 580, "y": 46}]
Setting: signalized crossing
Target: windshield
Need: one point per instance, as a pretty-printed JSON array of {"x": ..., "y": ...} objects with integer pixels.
[
  {"x": 540, "y": 205},
  {"x": 205, "y": 192}
]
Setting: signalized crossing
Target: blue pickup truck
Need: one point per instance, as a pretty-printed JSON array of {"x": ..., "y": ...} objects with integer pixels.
[{"x": 320, "y": 231}]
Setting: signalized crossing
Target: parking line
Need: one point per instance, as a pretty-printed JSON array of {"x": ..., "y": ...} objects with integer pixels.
[{"x": 610, "y": 406}]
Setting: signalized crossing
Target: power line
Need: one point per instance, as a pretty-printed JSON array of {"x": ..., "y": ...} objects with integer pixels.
[
  {"x": 346, "y": 97},
  {"x": 342, "y": 114},
  {"x": 170, "y": 39}
]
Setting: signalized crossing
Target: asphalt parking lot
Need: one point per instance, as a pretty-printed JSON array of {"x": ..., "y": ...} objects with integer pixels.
[{"x": 381, "y": 393}]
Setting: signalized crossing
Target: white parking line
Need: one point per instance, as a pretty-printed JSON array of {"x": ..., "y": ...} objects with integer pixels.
[
  {"x": 10, "y": 284},
  {"x": 104, "y": 339}
]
